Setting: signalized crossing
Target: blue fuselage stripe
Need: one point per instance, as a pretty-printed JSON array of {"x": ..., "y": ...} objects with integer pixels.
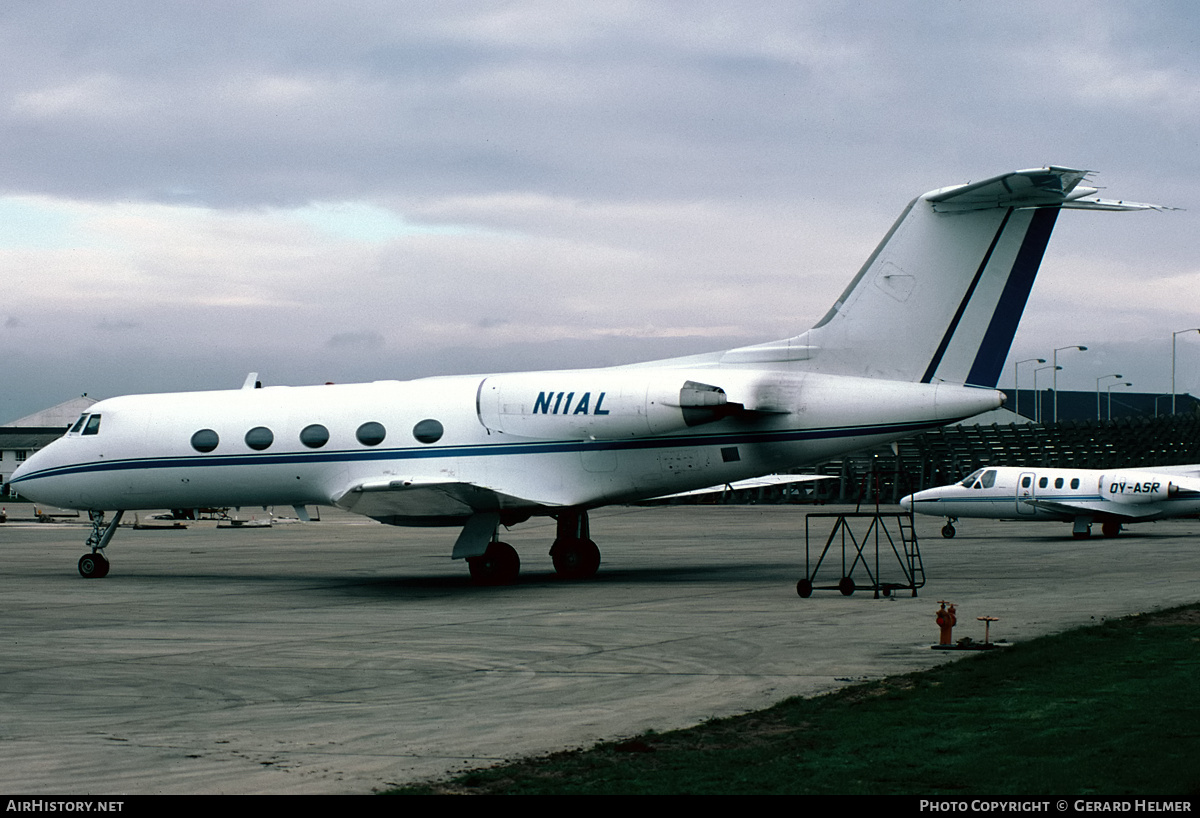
[{"x": 487, "y": 450}]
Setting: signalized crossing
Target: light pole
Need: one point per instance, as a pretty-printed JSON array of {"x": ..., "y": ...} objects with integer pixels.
[
  {"x": 1037, "y": 397},
  {"x": 1173, "y": 334},
  {"x": 1109, "y": 390},
  {"x": 1056, "y": 368},
  {"x": 1102, "y": 377},
  {"x": 1017, "y": 386}
]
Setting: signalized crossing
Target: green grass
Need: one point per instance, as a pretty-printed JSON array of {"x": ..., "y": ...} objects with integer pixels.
[{"x": 1112, "y": 709}]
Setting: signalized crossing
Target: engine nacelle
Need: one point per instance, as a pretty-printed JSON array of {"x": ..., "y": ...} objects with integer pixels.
[
  {"x": 596, "y": 404},
  {"x": 1134, "y": 487}
]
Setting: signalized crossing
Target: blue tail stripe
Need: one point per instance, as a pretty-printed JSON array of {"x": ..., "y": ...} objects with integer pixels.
[
  {"x": 997, "y": 341},
  {"x": 962, "y": 306}
]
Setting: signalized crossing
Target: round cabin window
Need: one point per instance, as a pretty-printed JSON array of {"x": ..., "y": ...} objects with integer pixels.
[
  {"x": 205, "y": 440},
  {"x": 259, "y": 438},
  {"x": 314, "y": 436},
  {"x": 371, "y": 433},
  {"x": 428, "y": 431}
]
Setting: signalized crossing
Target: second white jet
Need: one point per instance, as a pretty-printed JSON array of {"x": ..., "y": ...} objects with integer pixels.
[{"x": 1082, "y": 497}]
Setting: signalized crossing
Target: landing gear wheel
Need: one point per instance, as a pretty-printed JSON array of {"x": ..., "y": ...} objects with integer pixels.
[
  {"x": 499, "y": 565},
  {"x": 804, "y": 588},
  {"x": 1081, "y": 535},
  {"x": 846, "y": 586},
  {"x": 948, "y": 531},
  {"x": 93, "y": 566},
  {"x": 575, "y": 557},
  {"x": 1111, "y": 529}
]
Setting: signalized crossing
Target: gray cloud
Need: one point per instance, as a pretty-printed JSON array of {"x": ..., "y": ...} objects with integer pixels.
[{"x": 604, "y": 180}]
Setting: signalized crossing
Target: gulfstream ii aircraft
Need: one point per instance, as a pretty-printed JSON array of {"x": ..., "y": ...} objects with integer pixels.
[
  {"x": 1078, "y": 496},
  {"x": 917, "y": 340}
]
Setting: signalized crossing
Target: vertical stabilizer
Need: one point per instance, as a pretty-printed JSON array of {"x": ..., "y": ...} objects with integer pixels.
[{"x": 941, "y": 297}]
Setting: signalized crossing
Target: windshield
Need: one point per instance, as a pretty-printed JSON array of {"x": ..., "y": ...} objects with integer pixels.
[{"x": 969, "y": 480}]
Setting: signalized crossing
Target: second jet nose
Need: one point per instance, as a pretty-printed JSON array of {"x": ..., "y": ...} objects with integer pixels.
[{"x": 906, "y": 502}]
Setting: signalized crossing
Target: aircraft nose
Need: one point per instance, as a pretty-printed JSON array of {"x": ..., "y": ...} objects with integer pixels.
[{"x": 906, "y": 502}]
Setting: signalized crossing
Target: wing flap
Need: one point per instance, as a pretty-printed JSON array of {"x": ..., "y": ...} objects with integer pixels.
[
  {"x": 766, "y": 481},
  {"x": 410, "y": 498}
]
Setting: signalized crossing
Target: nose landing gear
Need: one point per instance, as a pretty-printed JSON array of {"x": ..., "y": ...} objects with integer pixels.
[{"x": 94, "y": 565}]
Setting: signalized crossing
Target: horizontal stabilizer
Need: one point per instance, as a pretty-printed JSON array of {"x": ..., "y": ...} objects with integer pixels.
[{"x": 1023, "y": 188}]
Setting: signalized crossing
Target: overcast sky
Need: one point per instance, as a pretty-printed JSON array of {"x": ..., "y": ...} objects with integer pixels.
[{"x": 368, "y": 190}]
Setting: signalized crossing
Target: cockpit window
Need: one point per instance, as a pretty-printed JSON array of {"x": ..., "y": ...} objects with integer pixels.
[
  {"x": 988, "y": 479},
  {"x": 78, "y": 424},
  {"x": 93, "y": 425},
  {"x": 969, "y": 480}
]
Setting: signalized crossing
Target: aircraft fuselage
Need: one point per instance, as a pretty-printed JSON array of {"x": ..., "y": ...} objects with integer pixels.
[
  {"x": 436, "y": 450},
  {"x": 1034, "y": 493}
]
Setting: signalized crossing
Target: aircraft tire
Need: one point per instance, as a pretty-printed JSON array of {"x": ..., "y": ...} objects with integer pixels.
[
  {"x": 948, "y": 531},
  {"x": 1110, "y": 529},
  {"x": 93, "y": 566},
  {"x": 575, "y": 558},
  {"x": 846, "y": 586},
  {"x": 499, "y": 565}
]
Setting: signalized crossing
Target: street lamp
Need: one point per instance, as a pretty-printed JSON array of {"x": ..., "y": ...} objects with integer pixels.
[
  {"x": 1157, "y": 398},
  {"x": 1016, "y": 382},
  {"x": 1102, "y": 377},
  {"x": 1173, "y": 334},
  {"x": 1056, "y": 368},
  {"x": 1109, "y": 390},
  {"x": 1037, "y": 397}
]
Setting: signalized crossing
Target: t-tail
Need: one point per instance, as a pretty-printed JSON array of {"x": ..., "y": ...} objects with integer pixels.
[{"x": 940, "y": 299}]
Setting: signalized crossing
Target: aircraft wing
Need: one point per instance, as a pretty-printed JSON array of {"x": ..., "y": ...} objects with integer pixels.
[
  {"x": 425, "y": 497},
  {"x": 1120, "y": 511},
  {"x": 753, "y": 483}
]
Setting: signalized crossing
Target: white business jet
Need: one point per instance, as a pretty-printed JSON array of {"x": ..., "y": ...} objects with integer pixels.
[
  {"x": 1078, "y": 496},
  {"x": 916, "y": 341}
]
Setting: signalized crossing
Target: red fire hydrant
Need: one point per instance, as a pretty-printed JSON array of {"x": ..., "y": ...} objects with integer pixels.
[{"x": 946, "y": 620}]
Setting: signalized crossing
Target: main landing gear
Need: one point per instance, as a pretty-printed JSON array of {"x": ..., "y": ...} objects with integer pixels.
[
  {"x": 498, "y": 565},
  {"x": 94, "y": 565},
  {"x": 574, "y": 554}
]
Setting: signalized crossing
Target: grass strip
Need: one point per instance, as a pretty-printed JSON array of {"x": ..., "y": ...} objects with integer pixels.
[{"x": 1111, "y": 709}]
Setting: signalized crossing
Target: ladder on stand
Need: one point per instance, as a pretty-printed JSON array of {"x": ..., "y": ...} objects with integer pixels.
[{"x": 900, "y": 536}]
